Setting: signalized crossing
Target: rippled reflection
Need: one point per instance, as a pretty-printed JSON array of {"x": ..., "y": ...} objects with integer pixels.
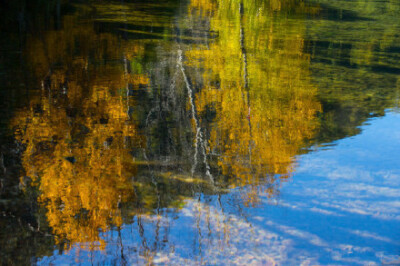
[
  {"x": 79, "y": 132},
  {"x": 84, "y": 133},
  {"x": 257, "y": 84},
  {"x": 138, "y": 115}
]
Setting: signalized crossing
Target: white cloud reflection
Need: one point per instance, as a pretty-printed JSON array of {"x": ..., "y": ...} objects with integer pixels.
[{"x": 341, "y": 208}]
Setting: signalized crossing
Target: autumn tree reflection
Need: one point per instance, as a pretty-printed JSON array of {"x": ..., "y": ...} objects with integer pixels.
[
  {"x": 240, "y": 107},
  {"x": 140, "y": 109},
  {"x": 80, "y": 132},
  {"x": 256, "y": 79}
]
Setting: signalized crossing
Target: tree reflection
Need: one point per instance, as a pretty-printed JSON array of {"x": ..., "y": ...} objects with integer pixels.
[
  {"x": 122, "y": 131},
  {"x": 244, "y": 98},
  {"x": 256, "y": 80},
  {"x": 79, "y": 133}
]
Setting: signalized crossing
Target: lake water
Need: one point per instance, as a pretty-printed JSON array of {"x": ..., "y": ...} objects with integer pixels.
[{"x": 200, "y": 132}]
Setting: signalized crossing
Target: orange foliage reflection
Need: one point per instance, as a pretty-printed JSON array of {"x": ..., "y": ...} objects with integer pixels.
[
  {"x": 257, "y": 79},
  {"x": 79, "y": 132}
]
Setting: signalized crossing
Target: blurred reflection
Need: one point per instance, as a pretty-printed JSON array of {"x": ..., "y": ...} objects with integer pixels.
[
  {"x": 249, "y": 112},
  {"x": 79, "y": 132},
  {"x": 257, "y": 85},
  {"x": 135, "y": 112}
]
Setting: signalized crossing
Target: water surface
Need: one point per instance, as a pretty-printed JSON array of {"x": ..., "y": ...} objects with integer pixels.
[{"x": 200, "y": 132}]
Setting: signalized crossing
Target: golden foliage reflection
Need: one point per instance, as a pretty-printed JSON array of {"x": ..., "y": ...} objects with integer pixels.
[
  {"x": 81, "y": 134},
  {"x": 79, "y": 131},
  {"x": 256, "y": 78}
]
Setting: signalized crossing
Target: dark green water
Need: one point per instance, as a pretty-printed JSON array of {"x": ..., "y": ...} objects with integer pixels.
[{"x": 200, "y": 132}]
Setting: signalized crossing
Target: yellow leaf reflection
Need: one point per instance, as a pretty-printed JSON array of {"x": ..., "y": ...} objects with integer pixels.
[
  {"x": 79, "y": 132},
  {"x": 257, "y": 81}
]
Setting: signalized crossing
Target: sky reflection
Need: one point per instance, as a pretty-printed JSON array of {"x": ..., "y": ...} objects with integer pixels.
[{"x": 324, "y": 216}]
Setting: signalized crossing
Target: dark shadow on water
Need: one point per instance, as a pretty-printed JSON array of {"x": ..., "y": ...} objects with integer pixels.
[{"x": 335, "y": 14}]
